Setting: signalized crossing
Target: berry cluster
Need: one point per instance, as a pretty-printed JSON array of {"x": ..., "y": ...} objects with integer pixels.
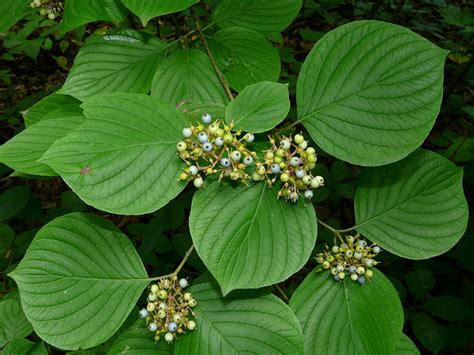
[
  {"x": 49, "y": 8},
  {"x": 168, "y": 309},
  {"x": 353, "y": 258},
  {"x": 214, "y": 148},
  {"x": 291, "y": 160}
]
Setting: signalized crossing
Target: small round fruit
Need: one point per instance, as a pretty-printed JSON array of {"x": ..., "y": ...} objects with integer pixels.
[
  {"x": 349, "y": 253},
  {"x": 193, "y": 170},
  {"x": 376, "y": 249},
  {"x": 275, "y": 168},
  {"x": 206, "y": 118},
  {"x": 369, "y": 273},
  {"x": 311, "y": 158},
  {"x": 192, "y": 303},
  {"x": 177, "y": 318},
  {"x": 352, "y": 269},
  {"x": 51, "y": 16},
  {"x": 213, "y": 128},
  {"x": 362, "y": 243},
  {"x": 187, "y": 296},
  {"x": 248, "y": 160},
  {"x": 369, "y": 262},
  {"x": 359, "y": 248},
  {"x": 187, "y": 132},
  {"x": 163, "y": 294},
  {"x": 310, "y": 151},
  {"x": 228, "y": 138},
  {"x": 341, "y": 275},
  {"x": 152, "y": 327},
  {"x": 303, "y": 145},
  {"x": 161, "y": 314},
  {"x": 330, "y": 258},
  {"x": 169, "y": 337},
  {"x": 361, "y": 280},
  {"x": 336, "y": 278},
  {"x": 320, "y": 179},
  {"x": 143, "y": 313},
  {"x": 315, "y": 183},
  {"x": 320, "y": 259},
  {"x": 181, "y": 146},
  {"x": 307, "y": 179},
  {"x": 295, "y": 161},
  {"x": 172, "y": 327},
  {"x": 202, "y": 137},
  {"x": 163, "y": 306},
  {"x": 280, "y": 153},
  {"x": 269, "y": 155},
  {"x": 350, "y": 239},
  {"x": 326, "y": 264},
  {"x": 235, "y": 155},
  {"x": 249, "y": 137},
  {"x": 334, "y": 271},
  {"x": 191, "y": 325},
  {"x": 207, "y": 147},
  {"x": 300, "y": 173},
  {"x": 308, "y": 194},
  {"x": 285, "y": 177},
  {"x": 354, "y": 277},
  {"x": 298, "y": 138},
  {"x": 183, "y": 283},
  {"x": 219, "y": 141},
  {"x": 198, "y": 183},
  {"x": 358, "y": 255},
  {"x": 360, "y": 270},
  {"x": 152, "y": 297},
  {"x": 225, "y": 162},
  {"x": 154, "y": 288},
  {"x": 335, "y": 249},
  {"x": 150, "y": 307},
  {"x": 339, "y": 268},
  {"x": 261, "y": 170},
  {"x": 285, "y": 144}
]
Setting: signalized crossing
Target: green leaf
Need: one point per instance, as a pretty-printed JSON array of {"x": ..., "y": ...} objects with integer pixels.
[
  {"x": 13, "y": 321},
  {"x": 187, "y": 79},
  {"x": 22, "y": 152},
  {"x": 345, "y": 317},
  {"x": 247, "y": 238},
  {"x": 12, "y": 201},
  {"x": 6, "y": 238},
  {"x": 420, "y": 282},
  {"x": 146, "y": 10},
  {"x": 25, "y": 347},
  {"x": 138, "y": 341},
  {"x": 52, "y": 106},
  {"x": 414, "y": 208},
  {"x": 121, "y": 62},
  {"x": 259, "y": 325},
  {"x": 259, "y": 107},
  {"x": 265, "y": 16},
  {"x": 427, "y": 331},
  {"x": 245, "y": 57},
  {"x": 405, "y": 346},
  {"x": 12, "y": 11},
  {"x": 369, "y": 92},
  {"x": 79, "y": 280},
  {"x": 122, "y": 159},
  {"x": 80, "y": 12},
  {"x": 449, "y": 308}
]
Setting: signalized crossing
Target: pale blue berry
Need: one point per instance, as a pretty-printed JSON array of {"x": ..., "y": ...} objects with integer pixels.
[
  {"x": 193, "y": 170},
  {"x": 248, "y": 160},
  {"x": 235, "y": 155},
  {"x": 206, "y": 118},
  {"x": 294, "y": 196},
  {"x": 143, "y": 313},
  {"x": 249, "y": 137},
  {"x": 300, "y": 173},
  {"x": 369, "y": 262},
  {"x": 207, "y": 147},
  {"x": 361, "y": 280},
  {"x": 362, "y": 243},
  {"x": 153, "y": 327},
  {"x": 219, "y": 141},
  {"x": 187, "y": 132},
  {"x": 275, "y": 168},
  {"x": 183, "y": 283},
  {"x": 308, "y": 194},
  {"x": 285, "y": 144},
  {"x": 358, "y": 255},
  {"x": 336, "y": 278},
  {"x": 202, "y": 137},
  {"x": 352, "y": 269},
  {"x": 172, "y": 327},
  {"x": 339, "y": 268},
  {"x": 376, "y": 249},
  {"x": 295, "y": 161},
  {"x": 225, "y": 162}
]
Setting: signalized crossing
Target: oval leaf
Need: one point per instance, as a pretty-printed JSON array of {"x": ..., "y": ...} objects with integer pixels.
[
  {"x": 265, "y": 16},
  {"x": 25, "y": 347},
  {"x": 259, "y": 107},
  {"x": 13, "y": 321},
  {"x": 427, "y": 331},
  {"x": 405, "y": 346},
  {"x": 80, "y": 12},
  {"x": 187, "y": 79},
  {"x": 138, "y": 341},
  {"x": 123, "y": 158},
  {"x": 79, "y": 280},
  {"x": 245, "y": 57},
  {"x": 146, "y": 10},
  {"x": 345, "y": 317},
  {"x": 414, "y": 208},
  {"x": 369, "y": 92},
  {"x": 23, "y": 151},
  {"x": 249, "y": 239},
  {"x": 121, "y": 62},
  {"x": 12, "y": 11},
  {"x": 52, "y": 106},
  {"x": 260, "y": 325}
]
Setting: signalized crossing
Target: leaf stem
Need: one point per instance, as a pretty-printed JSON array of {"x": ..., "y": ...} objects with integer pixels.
[
  {"x": 222, "y": 79},
  {"x": 282, "y": 293},
  {"x": 336, "y": 231},
  {"x": 178, "y": 269}
]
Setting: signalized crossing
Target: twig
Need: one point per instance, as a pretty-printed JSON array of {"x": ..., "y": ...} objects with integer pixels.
[
  {"x": 222, "y": 79},
  {"x": 282, "y": 293},
  {"x": 334, "y": 230},
  {"x": 178, "y": 269}
]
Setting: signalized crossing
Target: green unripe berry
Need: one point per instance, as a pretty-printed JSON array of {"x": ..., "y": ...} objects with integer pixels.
[
  {"x": 360, "y": 270},
  {"x": 150, "y": 307},
  {"x": 192, "y": 303},
  {"x": 228, "y": 138},
  {"x": 369, "y": 273},
  {"x": 191, "y": 325},
  {"x": 285, "y": 177},
  {"x": 303, "y": 145},
  {"x": 319, "y": 259},
  {"x": 162, "y": 294},
  {"x": 349, "y": 253},
  {"x": 177, "y": 318},
  {"x": 334, "y": 271},
  {"x": 220, "y": 132},
  {"x": 341, "y": 275},
  {"x": 278, "y": 160},
  {"x": 269, "y": 155},
  {"x": 350, "y": 239},
  {"x": 307, "y": 179},
  {"x": 152, "y": 297},
  {"x": 280, "y": 153},
  {"x": 311, "y": 158},
  {"x": 154, "y": 288},
  {"x": 354, "y": 277},
  {"x": 310, "y": 151},
  {"x": 181, "y": 146},
  {"x": 335, "y": 249},
  {"x": 161, "y": 314},
  {"x": 299, "y": 139},
  {"x": 188, "y": 296},
  {"x": 326, "y": 265},
  {"x": 169, "y": 337},
  {"x": 330, "y": 258},
  {"x": 183, "y": 176}
]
